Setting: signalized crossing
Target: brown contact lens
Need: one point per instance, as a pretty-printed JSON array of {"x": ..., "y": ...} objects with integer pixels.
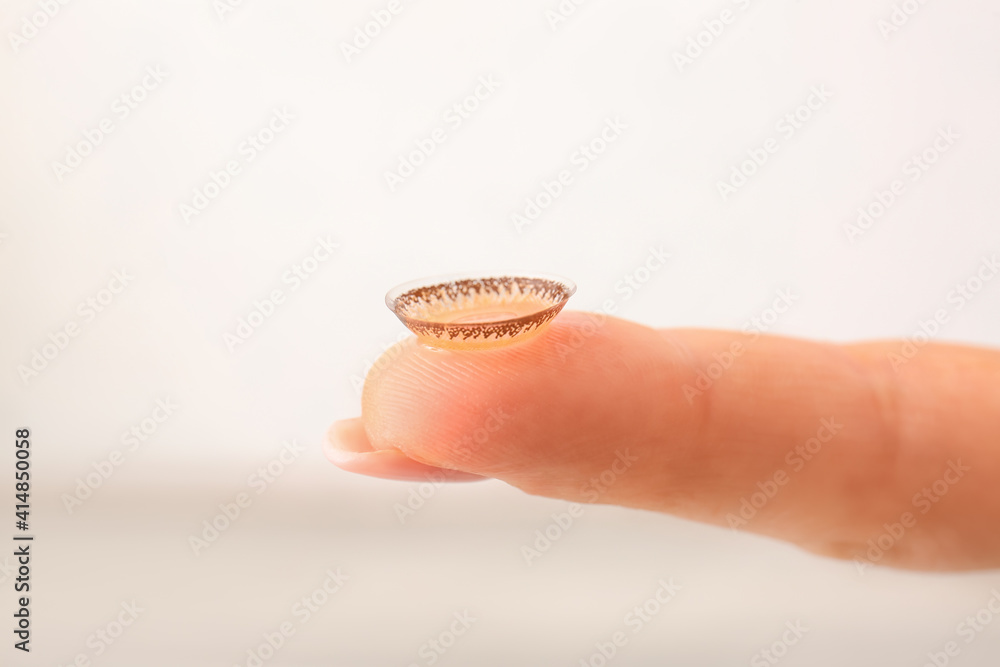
[{"x": 475, "y": 313}]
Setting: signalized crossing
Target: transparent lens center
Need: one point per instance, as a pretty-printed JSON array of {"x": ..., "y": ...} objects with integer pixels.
[{"x": 485, "y": 316}]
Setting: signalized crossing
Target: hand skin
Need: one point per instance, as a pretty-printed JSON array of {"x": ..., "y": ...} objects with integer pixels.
[{"x": 553, "y": 413}]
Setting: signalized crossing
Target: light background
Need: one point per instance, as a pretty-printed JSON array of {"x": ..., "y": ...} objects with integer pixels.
[{"x": 62, "y": 240}]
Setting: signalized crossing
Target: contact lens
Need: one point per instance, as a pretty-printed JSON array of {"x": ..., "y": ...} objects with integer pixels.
[{"x": 470, "y": 312}]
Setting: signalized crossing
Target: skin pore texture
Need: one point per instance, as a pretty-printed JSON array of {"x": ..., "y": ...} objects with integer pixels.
[{"x": 824, "y": 445}]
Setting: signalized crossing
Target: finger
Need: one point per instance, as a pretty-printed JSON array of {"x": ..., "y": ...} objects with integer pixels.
[
  {"x": 347, "y": 447},
  {"x": 825, "y": 442}
]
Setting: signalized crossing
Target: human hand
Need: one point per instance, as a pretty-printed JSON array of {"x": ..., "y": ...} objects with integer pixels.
[{"x": 826, "y": 446}]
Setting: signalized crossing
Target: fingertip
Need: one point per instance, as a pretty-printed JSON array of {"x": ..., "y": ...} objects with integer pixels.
[{"x": 518, "y": 411}]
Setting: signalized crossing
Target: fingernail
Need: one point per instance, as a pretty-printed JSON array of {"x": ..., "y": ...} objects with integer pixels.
[{"x": 348, "y": 448}]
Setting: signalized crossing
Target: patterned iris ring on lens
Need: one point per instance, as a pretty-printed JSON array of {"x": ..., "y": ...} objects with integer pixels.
[{"x": 485, "y": 312}]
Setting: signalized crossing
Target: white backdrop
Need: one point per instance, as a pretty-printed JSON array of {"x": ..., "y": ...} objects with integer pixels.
[{"x": 169, "y": 167}]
